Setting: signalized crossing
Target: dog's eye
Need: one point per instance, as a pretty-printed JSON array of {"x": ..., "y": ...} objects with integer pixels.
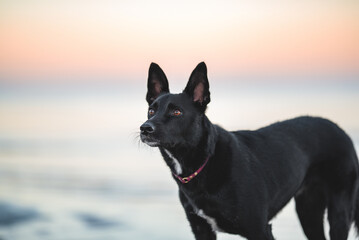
[
  {"x": 151, "y": 112},
  {"x": 177, "y": 112}
]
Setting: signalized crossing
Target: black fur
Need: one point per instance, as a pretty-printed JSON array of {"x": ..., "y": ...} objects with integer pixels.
[{"x": 251, "y": 175}]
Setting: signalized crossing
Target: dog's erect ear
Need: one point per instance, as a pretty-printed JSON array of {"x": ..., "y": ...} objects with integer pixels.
[
  {"x": 198, "y": 86},
  {"x": 157, "y": 83}
]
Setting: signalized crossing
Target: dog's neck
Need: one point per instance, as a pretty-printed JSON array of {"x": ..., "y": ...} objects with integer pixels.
[{"x": 185, "y": 160}]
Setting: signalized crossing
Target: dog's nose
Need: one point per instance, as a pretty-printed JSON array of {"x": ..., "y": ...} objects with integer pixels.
[{"x": 147, "y": 128}]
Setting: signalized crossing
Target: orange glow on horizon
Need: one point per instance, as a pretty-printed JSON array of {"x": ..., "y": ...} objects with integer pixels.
[{"x": 122, "y": 40}]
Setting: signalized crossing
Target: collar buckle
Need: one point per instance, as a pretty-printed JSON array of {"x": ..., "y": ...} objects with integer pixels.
[{"x": 190, "y": 177}]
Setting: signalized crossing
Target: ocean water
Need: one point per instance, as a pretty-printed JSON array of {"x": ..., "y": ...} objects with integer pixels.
[{"x": 72, "y": 166}]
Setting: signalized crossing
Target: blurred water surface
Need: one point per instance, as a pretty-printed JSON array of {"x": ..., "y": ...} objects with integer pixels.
[{"x": 72, "y": 166}]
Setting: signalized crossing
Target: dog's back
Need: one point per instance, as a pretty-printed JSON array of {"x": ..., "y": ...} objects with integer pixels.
[{"x": 312, "y": 152}]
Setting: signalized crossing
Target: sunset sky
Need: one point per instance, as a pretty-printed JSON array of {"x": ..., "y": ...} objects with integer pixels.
[{"x": 79, "y": 40}]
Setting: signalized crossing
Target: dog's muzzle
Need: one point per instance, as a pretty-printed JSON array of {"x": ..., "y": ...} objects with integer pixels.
[{"x": 147, "y": 129}]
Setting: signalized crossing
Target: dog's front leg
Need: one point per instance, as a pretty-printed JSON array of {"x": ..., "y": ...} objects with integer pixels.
[{"x": 200, "y": 227}]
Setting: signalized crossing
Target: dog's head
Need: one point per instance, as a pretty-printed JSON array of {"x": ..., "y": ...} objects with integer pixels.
[{"x": 175, "y": 119}]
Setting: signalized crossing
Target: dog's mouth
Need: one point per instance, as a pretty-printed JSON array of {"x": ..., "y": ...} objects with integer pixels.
[{"x": 150, "y": 141}]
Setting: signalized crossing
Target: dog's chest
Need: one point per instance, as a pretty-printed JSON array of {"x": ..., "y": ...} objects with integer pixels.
[
  {"x": 205, "y": 211},
  {"x": 210, "y": 220}
]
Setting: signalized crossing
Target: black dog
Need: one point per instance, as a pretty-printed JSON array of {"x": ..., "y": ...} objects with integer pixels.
[{"x": 236, "y": 182}]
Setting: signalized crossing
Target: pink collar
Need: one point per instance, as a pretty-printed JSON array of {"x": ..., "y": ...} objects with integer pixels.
[{"x": 190, "y": 177}]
